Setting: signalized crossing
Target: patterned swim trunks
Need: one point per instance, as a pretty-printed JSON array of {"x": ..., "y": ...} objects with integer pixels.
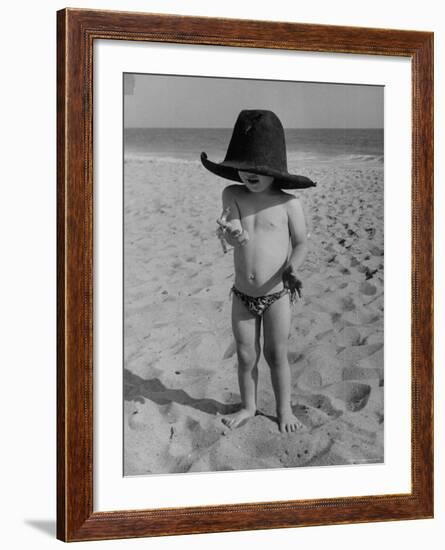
[{"x": 257, "y": 305}]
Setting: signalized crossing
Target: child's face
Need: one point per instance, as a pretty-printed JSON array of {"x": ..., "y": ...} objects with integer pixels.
[{"x": 255, "y": 182}]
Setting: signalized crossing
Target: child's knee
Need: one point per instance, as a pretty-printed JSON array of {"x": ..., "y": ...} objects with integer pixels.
[
  {"x": 275, "y": 355},
  {"x": 247, "y": 354}
]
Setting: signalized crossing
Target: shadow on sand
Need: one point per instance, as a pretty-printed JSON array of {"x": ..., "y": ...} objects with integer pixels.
[{"x": 138, "y": 389}]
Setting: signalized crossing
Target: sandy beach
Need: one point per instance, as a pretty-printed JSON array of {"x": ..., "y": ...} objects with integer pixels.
[{"x": 180, "y": 369}]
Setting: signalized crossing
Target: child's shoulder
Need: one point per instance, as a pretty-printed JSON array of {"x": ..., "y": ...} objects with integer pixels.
[
  {"x": 287, "y": 196},
  {"x": 291, "y": 204},
  {"x": 234, "y": 190},
  {"x": 288, "y": 199}
]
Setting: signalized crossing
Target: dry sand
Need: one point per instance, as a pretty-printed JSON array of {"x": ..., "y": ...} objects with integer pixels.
[{"x": 180, "y": 371}]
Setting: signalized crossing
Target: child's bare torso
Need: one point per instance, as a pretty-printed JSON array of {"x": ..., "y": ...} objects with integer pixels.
[{"x": 259, "y": 263}]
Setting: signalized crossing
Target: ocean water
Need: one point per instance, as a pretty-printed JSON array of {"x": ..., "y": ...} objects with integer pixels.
[{"x": 359, "y": 146}]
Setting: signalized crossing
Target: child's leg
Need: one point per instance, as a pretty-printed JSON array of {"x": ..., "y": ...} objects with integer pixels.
[
  {"x": 276, "y": 321},
  {"x": 246, "y": 331}
]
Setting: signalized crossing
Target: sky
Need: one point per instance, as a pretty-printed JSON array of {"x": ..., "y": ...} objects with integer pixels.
[{"x": 164, "y": 101}]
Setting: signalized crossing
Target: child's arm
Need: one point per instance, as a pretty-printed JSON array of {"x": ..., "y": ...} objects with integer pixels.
[
  {"x": 298, "y": 235},
  {"x": 230, "y": 222}
]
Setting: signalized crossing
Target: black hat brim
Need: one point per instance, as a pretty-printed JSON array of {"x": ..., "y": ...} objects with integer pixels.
[{"x": 229, "y": 170}]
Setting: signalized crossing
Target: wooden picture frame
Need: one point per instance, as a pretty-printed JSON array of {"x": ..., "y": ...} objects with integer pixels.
[{"x": 76, "y": 32}]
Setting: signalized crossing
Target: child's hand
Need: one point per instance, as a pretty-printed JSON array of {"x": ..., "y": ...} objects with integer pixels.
[
  {"x": 234, "y": 235},
  {"x": 292, "y": 282},
  {"x": 238, "y": 236}
]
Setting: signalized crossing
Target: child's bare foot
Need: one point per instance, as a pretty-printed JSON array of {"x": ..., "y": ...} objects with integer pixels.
[
  {"x": 236, "y": 419},
  {"x": 287, "y": 422}
]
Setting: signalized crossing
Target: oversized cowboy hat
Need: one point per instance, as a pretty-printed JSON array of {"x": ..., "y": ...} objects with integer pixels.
[{"x": 257, "y": 145}]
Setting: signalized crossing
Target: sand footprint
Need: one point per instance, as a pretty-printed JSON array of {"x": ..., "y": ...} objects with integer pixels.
[
  {"x": 315, "y": 401},
  {"x": 368, "y": 289},
  {"x": 355, "y": 395},
  {"x": 349, "y": 336},
  {"x": 363, "y": 373}
]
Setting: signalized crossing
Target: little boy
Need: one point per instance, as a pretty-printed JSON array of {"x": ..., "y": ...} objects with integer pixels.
[{"x": 266, "y": 227}]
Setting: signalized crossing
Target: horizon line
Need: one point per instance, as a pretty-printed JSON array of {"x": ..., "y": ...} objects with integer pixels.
[{"x": 230, "y": 128}]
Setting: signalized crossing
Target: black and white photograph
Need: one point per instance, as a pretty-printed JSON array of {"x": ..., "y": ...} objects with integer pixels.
[
  {"x": 222, "y": 274},
  {"x": 253, "y": 274}
]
